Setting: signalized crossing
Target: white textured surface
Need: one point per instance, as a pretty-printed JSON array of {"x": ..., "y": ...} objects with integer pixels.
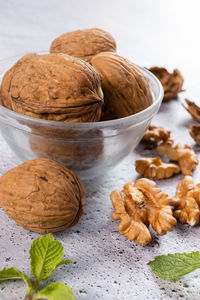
[{"x": 108, "y": 266}]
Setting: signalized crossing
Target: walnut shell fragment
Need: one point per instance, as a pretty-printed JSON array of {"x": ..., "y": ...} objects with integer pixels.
[
  {"x": 186, "y": 157},
  {"x": 53, "y": 87},
  {"x": 140, "y": 204},
  {"x": 186, "y": 202},
  {"x": 171, "y": 82},
  {"x": 156, "y": 134},
  {"x": 193, "y": 109},
  {"x": 84, "y": 43},
  {"x": 43, "y": 196},
  {"x": 195, "y": 133},
  {"x": 155, "y": 169},
  {"x": 126, "y": 90}
]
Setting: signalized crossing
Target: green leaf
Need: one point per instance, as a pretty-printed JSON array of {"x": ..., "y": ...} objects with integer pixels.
[
  {"x": 46, "y": 255},
  {"x": 55, "y": 291},
  {"x": 173, "y": 266},
  {"x": 14, "y": 273},
  {"x": 64, "y": 262}
]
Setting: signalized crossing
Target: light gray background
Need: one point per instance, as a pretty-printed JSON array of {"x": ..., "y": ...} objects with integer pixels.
[{"x": 108, "y": 266}]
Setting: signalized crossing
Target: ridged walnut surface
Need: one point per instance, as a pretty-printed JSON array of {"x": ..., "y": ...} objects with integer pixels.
[
  {"x": 84, "y": 43},
  {"x": 53, "y": 87},
  {"x": 126, "y": 90},
  {"x": 42, "y": 196}
]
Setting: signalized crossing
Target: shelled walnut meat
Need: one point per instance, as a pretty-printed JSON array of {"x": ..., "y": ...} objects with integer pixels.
[
  {"x": 126, "y": 90},
  {"x": 140, "y": 204},
  {"x": 186, "y": 157},
  {"x": 193, "y": 109},
  {"x": 187, "y": 202},
  {"x": 171, "y": 82},
  {"x": 53, "y": 87},
  {"x": 42, "y": 195},
  {"x": 195, "y": 133},
  {"x": 155, "y": 169},
  {"x": 156, "y": 134},
  {"x": 84, "y": 43}
]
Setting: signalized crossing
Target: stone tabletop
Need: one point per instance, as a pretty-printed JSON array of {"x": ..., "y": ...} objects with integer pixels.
[{"x": 109, "y": 266}]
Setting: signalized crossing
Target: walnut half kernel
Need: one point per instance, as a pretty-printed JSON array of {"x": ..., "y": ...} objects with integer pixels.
[
  {"x": 155, "y": 169},
  {"x": 139, "y": 205},
  {"x": 187, "y": 202}
]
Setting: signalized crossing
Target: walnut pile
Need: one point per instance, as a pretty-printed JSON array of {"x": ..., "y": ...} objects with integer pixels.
[
  {"x": 53, "y": 87},
  {"x": 42, "y": 195},
  {"x": 126, "y": 90},
  {"x": 84, "y": 43},
  {"x": 185, "y": 156},
  {"x": 155, "y": 169},
  {"x": 195, "y": 133},
  {"x": 187, "y": 202},
  {"x": 193, "y": 109},
  {"x": 156, "y": 134},
  {"x": 140, "y": 204},
  {"x": 171, "y": 82}
]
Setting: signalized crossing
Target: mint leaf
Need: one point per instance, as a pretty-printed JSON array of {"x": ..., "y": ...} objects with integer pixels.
[
  {"x": 64, "y": 262},
  {"x": 14, "y": 273},
  {"x": 46, "y": 255},
  {"x": 173, "y": 266},
  {"x": 55, "y": 291}
]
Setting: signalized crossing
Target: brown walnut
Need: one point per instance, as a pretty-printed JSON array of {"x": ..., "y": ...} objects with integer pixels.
[
  {"x": 171, "y": 82},
  {"x": 43, "y": 196},
  {"x": 53, "y": 87},
  {"x": 140, "y": 204},
  {"x": 84, "y": 43},
  {"x": 126, "y": 89},
  {"x": 156, "y": 134}
]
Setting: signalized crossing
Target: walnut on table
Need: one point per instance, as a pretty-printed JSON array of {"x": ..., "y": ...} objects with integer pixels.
[
  {"x": 155, "y": 169},
  {"x": 193, "y": 109},
  {"x": 195, "y": 133},
  {"x": 156, "y": 134},
  {"x": 171, "y": 82},
  {"x": 43, "y": 196},
  {"x": 187, "y": 201},
  {"x": 140, "y": 204},
  {"x": 185, "y": 156}
]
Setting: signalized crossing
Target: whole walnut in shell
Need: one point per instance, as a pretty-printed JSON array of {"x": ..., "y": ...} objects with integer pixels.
[
  {"x": 43, "y": 196},
  {"x": 53, "y": 87},
  {"x": 84, "y": 43},
  {"x": 126, "y": 89}
]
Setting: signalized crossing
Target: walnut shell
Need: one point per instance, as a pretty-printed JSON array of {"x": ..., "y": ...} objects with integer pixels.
[
  {"x": 53, "y": 87},
  {"x": 126, "y": 89},
  {"x": 43, "y": 196},
  {"x": 84, "y": 43}
]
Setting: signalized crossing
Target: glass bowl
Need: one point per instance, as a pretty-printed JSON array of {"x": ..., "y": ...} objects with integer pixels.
[{"x": 89, "y": 149}]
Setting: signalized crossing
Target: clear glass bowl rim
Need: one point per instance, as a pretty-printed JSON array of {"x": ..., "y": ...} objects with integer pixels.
[{"x": 130, "y": 120}]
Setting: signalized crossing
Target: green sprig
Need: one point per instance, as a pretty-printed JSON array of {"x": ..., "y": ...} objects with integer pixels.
[{"x": 46, "y": 256}]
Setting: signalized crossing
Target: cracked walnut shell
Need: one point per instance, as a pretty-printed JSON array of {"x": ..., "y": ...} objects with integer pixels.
[
  {"x": 155, "y": 169},
  {"x": 84, "y": 43},
  {"x": 156, "y": 134},
  {"x": 195, "y": 133},
  {"x": 186, "y": 202},
  {"x": 43, "y": 196},
  {"x": 140, "y": 204},
  {"x": 193, "y": 109},
  {"x": 171, "y": 82},
  {"x": 126, "y": 90},
  {"x": 185, "y": 156},
  {"x": 53, "y": 87}
]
